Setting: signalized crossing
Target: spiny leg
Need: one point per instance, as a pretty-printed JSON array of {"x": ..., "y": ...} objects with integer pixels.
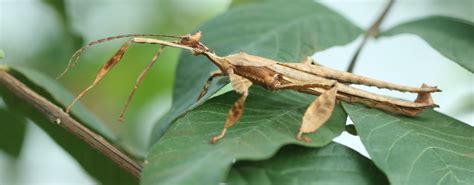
[
  {"x": 139, "y": 81},
  {"x": 75, "y": 57},
  {"x": 318, "y": 113},
  {"x": 101, "y": 73},
  {"x": 240, "y": 85},
  {"x": 214, "y": 74}
]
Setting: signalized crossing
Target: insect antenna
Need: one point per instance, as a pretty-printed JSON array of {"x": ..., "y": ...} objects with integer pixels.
[
  {"x": 75, "y": 57},
  {"x": 139, "y": 81}
]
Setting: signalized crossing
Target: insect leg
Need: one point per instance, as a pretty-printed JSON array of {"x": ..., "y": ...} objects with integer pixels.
[
  {"x": 241, "y": 86},
  {"x": 101, "y": 73},
  {"x": 139, "y": 81},
  {"x": 75, "y": 57},
  {"x": 214, "y": 74}
]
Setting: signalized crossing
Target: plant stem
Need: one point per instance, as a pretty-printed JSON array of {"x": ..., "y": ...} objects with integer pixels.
[
  {"x": 56, "y": 115},
  {"x": 371, "y": 32}
]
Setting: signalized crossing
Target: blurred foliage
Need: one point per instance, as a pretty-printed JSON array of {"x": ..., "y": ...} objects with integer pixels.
[
  {"x": 60, "y": 8},
  {"x": 62, "y": 26},
  {"x": 236, "y": 3},
  {"x": 12, "y": 132},
  {"x": 95, "y": 163},
  {"x": 69, "y": 18},
  {"x": 451, "y": 37},
  {"x": 465, "y": 105}
]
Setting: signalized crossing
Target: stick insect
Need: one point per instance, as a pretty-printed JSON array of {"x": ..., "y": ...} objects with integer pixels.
[{"x": 245, "y": 70}]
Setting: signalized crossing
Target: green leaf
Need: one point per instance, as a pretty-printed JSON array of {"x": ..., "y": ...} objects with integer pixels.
[
  {"x": 2, "y": 54},
  {"x": 95, "y": 163},
  {"x": 236, "y": 3},
  {"x": 12, "y": 132},
  {"x": 59, "y": 7},
  {"x": 270, "y": 120},
  {"x": 298, "y": 29},
  {"x": 331, "y": 164},
  {"x": 431, "y": 148},
  {"x": 452, "y": 37}
]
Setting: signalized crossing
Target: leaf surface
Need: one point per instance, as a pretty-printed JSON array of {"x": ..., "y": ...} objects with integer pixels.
[
  {"x": 331, "y": 164},
  {"x": 294, "y": 31},
  {"x": 431, "y": 148},
  {"x": 451, "y": 37},
  {"x": 270, "y": 120}
]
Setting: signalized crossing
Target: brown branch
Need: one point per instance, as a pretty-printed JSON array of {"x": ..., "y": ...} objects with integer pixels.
[
  {"x": 371, "y": 32},
  {"x": 56, "y": 115}
]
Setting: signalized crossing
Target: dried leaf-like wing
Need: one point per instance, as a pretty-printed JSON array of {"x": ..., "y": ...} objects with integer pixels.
[
  {"x": 318, "y": 112},
  {"x": 244, "y": 59},
  {"x": 345, "y": 77},
  {"x": 239, "y": 84}
]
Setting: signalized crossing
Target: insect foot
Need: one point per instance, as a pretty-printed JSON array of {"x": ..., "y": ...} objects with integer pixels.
[{"x": 220, "y": 136}]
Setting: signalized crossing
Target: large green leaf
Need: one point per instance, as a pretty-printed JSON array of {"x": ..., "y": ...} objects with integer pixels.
[
  {"x": 431, "y": 148},
  {"x": 2, "y": 54},
  {"x": 331, "y": 164},
  {"x": 95, "y": 163},
  {"x": 184, "y": 156},
  {"x": 12, "y": 132},
  {"x": 451, "y": 37},
  {"x": 293, "y": 31}
]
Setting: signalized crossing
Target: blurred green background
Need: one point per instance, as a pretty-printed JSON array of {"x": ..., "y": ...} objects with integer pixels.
[
  {"x": 43, "y": 34},
  {"x": 51, "y": 30}
]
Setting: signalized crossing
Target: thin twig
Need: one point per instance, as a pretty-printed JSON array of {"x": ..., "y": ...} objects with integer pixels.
[
  {"x": 371, "y": 32},
  {"x": 57, "y": 115}
]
